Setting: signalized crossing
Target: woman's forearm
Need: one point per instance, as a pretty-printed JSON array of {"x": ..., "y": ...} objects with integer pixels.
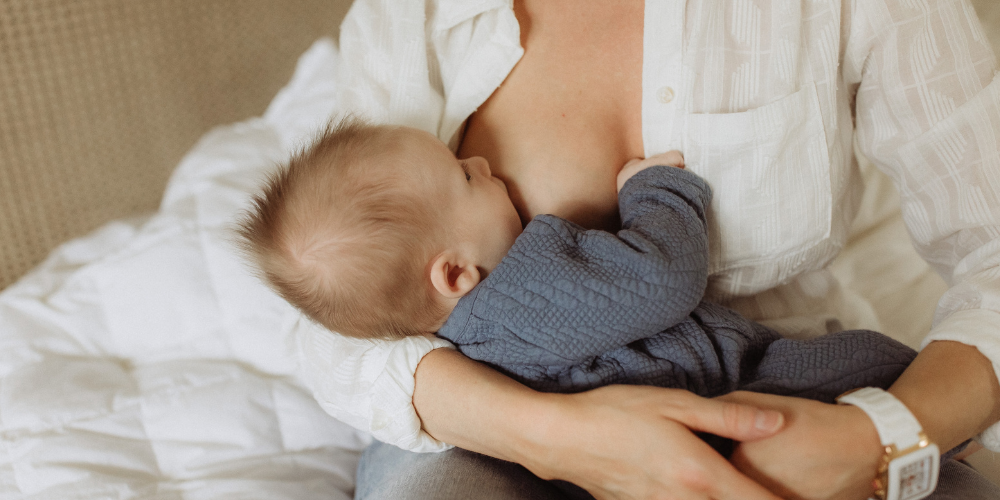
[
  {"x": 616, "y": 441},
  {"x": 472, "y": 406},
  {"x": 952, "y": 390}
]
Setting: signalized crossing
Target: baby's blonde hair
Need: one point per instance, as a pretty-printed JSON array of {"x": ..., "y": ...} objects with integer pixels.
[{"x": 337, "y": 234}]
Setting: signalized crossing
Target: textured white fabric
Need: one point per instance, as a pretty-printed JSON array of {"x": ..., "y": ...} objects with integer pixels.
[
  {"x": 761, "y": 97},
  {"x": 372, "y": 383}
]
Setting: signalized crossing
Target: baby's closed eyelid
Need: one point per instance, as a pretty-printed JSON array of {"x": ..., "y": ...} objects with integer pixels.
[{"x": 465, "y": 168}]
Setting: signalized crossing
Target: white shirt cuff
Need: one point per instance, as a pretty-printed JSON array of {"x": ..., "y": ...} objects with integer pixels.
[{"x": 368, "y": 384}]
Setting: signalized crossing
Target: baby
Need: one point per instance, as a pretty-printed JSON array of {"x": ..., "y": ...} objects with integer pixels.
[{"x": 380, "y": 232}]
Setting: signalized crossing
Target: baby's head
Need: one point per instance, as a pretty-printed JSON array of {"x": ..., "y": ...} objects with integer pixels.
[{"x": 377, "y": 231}]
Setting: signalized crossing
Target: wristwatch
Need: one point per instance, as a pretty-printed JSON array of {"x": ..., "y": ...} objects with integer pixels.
[{"x": 909, "y": 467}]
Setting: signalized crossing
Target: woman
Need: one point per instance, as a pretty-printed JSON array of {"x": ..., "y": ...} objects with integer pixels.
[{"x": 764, "y": 99}]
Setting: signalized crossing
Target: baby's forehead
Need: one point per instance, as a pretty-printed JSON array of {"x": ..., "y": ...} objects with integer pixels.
[
  {"x": 421, "y": 149},
  {"x": 412, "y": 139}
]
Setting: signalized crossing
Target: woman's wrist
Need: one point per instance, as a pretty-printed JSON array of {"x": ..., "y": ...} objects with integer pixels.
[
  {"x": 526, "y": 425},
  {"x": 866, "y": 445},
  {"x": 861, "y": 454},
  {"x": 823, "y": 449},
  {"x": 538, "y": 420},
  {"x": 952, "y": 390}
]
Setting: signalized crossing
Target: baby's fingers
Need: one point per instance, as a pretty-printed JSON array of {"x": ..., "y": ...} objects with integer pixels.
[
  {"x": 670, "y": 158},
  {"x": 636, "y": 165}
]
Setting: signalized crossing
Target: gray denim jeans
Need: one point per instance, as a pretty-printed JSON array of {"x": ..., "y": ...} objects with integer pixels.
[{"x": 389, "y": 473}]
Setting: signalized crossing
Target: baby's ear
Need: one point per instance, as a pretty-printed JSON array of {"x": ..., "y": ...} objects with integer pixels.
[{"x": 453, "y": 276}]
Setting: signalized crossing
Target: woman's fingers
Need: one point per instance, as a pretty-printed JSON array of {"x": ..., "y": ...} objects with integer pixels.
[
  {"x": 630, "y": 442},
  {"x": 715, "y": 477},
  {"x": 736, "y": 421},
  {"x": 730, "y": 419},
  {"x": 733, "y": 485}
]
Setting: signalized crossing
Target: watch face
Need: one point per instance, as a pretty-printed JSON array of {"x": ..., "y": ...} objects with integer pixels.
[
  {"x": 914, "y": 475},
  {"x": 915, "y": 479}
]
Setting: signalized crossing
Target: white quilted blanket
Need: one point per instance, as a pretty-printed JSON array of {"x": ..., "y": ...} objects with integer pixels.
[{"x": 143, "y": 361}]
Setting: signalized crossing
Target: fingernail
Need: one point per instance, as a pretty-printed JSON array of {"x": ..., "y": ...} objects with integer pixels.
[{"x": 769, "y": 420}]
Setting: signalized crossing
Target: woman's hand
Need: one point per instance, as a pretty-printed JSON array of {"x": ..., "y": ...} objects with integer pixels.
[
  {"x": 832, "y": 451},
  {"x": 630, "y": 442},
  {"x": 823, "y": 452}
]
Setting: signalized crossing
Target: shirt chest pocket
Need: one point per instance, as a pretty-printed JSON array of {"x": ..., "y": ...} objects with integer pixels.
[{"x": 769, "y": 169}]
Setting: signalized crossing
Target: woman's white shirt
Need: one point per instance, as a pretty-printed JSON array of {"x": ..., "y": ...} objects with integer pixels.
[{"x": 765, "y": 99}]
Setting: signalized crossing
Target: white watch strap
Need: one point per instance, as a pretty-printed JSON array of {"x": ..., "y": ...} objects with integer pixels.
[{"x": 894, "y": 422}]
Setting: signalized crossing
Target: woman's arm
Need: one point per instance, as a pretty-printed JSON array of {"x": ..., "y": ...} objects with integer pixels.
[
  {"x": 832, "y": 451},
  {"x": 952, "y": 390},
  {"x": 616, "y": 442},
  {"x": 928, "y": 112}
]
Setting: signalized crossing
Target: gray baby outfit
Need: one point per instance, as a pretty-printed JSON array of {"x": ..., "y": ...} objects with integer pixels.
[{"x": 570, "y": 309}]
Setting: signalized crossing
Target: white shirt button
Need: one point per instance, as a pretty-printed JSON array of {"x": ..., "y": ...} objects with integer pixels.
[{"x": 665, "y": 95}]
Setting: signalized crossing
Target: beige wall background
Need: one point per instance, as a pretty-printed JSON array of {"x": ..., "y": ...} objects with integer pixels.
[{"x": 100, "y": 99}]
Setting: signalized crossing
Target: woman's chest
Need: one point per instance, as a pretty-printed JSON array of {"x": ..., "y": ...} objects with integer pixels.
[
  {"x": 568, "y": 116},
  {"x": 757, "y": 109}
]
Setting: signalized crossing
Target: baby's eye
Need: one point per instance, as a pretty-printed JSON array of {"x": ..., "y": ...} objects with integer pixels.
[{"x": 465, "y": 168}]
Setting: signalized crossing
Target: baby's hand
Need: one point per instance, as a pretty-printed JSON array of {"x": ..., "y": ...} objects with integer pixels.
[{"x": 670, "y": 159}]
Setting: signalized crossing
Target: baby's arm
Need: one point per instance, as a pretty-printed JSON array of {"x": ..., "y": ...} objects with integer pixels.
[
  {"x": 565, "y": 293},
  {"x": 663, "y": 214}
]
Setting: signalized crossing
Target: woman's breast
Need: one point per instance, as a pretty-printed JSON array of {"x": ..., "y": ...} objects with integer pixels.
[{"x": 569, "y": 114}]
